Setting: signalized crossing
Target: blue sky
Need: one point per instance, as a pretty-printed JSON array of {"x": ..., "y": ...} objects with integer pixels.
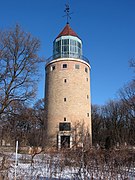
[{"x": 106, "y": 27}]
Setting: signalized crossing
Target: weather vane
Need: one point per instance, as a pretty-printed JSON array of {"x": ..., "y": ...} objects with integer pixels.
[{"x": 67, "y": 11}]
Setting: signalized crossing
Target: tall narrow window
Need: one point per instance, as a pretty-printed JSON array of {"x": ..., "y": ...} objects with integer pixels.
[
  {"x": 64, "y": 66},
  {"x": 77, "y": 66},
  {"x": 87, "y": 96},
  {"x": 88, "y": 115},
  {"x": 86, "y": 69},
  {"x": 65, "y": 99},
  {"x": 65, "y": 80},
  {"x": 65, "y": 119}
]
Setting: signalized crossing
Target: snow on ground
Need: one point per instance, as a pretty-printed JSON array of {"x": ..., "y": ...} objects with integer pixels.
[
  {"x": 50, "y": 167},
  {"x": 44, "y": 167}
]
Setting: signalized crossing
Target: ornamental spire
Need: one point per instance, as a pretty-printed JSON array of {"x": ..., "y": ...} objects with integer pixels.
[{"x": 67, "y": 11}]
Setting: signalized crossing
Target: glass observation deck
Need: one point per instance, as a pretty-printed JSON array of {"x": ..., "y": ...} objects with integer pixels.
[
  {"x": 67, "y": 47},
  {"x": 57, "y": 56}
]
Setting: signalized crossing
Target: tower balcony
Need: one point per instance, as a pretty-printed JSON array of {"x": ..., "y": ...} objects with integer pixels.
[{"x": 67, "y": 55}]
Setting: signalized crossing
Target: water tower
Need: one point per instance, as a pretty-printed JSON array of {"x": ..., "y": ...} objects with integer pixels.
[{"x": 67, "y": 91}]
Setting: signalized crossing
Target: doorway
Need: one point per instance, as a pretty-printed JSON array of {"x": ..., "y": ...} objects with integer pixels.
[{"x": 65, "y": 141}]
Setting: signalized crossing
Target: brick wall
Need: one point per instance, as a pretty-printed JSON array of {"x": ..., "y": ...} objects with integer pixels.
[{"x": 72, "y": 84}]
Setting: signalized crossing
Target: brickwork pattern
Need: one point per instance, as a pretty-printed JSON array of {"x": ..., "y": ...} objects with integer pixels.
[{"x": 72, "y": 84}]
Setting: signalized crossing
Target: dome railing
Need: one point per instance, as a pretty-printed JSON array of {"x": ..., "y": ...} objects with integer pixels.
[{"x": 67, "y": 55}]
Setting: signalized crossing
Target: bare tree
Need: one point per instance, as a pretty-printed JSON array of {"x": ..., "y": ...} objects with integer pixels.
[
  {"x": 127, "y": 95},
  {"x": 98, "y": 127},
  {"x": 24, "y": 124},
  {"x": 18, "y": 66},
  {"x": 39, "y": 115}
]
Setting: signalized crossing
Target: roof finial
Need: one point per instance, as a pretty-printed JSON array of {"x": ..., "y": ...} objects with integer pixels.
[{"x": 67, "y": 11}]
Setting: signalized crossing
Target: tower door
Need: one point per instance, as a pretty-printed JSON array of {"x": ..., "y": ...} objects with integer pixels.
[{"x": 65, "y": 141}]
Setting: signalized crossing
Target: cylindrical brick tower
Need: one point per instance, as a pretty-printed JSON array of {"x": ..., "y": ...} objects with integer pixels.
[{"x": 67, "y": 91}]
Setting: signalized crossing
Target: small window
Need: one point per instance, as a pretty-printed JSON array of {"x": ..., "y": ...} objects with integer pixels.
[
  {"x": 65, "y": 126},
  {"x": 64, "y": 65},
  {"x": 87, "y": 79},
  {"x": 65, "y": 99},
  {"x": 77, "y": 66},
  {"x": 65, "y": 119},
  {"x": 87, "y": 96},
  {"x": 86, "y": 70},
  {"x": 53, "y": 68},
  {"x": 65, "y": 80},
  {"x": 88, "y": 115}
]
